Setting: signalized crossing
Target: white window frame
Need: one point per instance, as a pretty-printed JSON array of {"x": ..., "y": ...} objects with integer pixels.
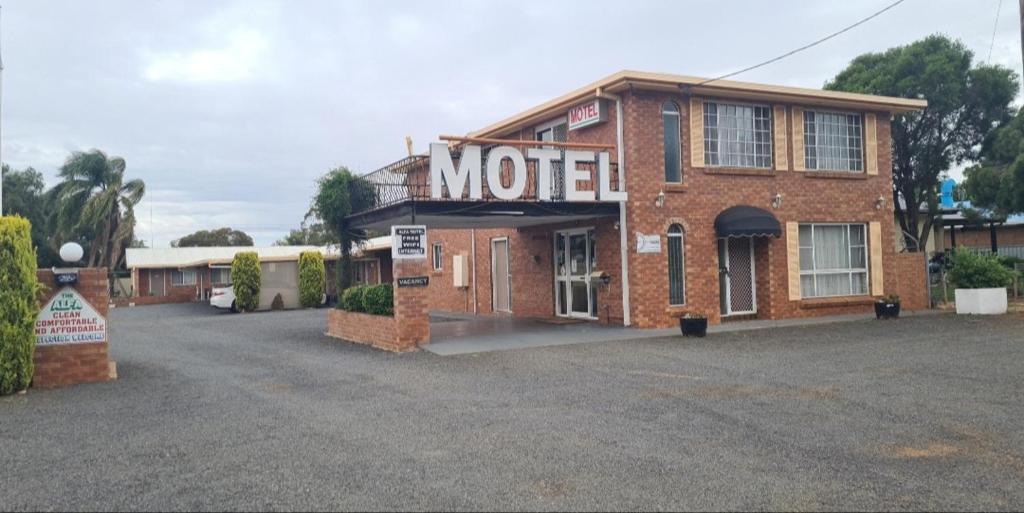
[
  {"x": 808, "y": 148},
  {"x": 866, "y": 270},
  {"x": 183, "y": 273},
  {"x": 437, "y": 256},
  {"x": 718, "y": 155}
]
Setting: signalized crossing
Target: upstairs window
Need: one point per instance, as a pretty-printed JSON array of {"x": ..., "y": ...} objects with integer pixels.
[
  {"x": 673, "y": 158},
  {"x": 833, "y": 141},
  {"x": 737, "y": 135}
]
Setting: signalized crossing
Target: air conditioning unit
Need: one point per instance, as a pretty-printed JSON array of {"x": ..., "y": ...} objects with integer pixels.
[{"x": 460, "y": 271}]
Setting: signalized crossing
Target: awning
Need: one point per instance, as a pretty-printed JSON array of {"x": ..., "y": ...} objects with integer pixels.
[{"x": 745, "y": 221}]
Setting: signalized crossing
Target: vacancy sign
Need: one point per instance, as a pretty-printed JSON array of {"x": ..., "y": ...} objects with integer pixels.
[
  {"x": 69, "y": 319},
  {"x": 408, "y": 242},
  {"x": 590, "y": 113}
]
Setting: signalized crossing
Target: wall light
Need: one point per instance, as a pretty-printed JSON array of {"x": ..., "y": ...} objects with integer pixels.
[
  {"x": 879, "y": 203},
  {"x": 777, "y": 201},
  {"x": 660, "y": 200}
]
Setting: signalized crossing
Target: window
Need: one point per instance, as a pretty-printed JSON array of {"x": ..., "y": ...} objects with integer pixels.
[
  {"x": 833, "y": 260},
  {"x": 363, "y": 271},
  {"x": 436, "y": 252},
  {"x": 220, "y": 275},
  {"x": 183, "y": 278},
  {"x": 670, "y": 124},
  {"x": 833, "y": 141},
  {"x": 737, "y": 135},
  {"x": 676, "y": 266}
]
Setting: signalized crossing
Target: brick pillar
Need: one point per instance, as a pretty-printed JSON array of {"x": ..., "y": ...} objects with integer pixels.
[
  {"x": 68, "y": 364},
  {"x": 412, "y": 306}
]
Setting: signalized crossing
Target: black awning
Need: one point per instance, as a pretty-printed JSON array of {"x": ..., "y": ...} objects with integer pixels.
[{"x": 744, "y": 221}]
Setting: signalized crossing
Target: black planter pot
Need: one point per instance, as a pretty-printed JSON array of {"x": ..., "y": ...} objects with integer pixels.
[
  {"x": 693, "y": 327},
  {"x": 885, "y": 310}
]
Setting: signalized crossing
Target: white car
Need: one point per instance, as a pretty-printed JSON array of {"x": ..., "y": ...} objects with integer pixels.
[{"x": 223, "y": 297}]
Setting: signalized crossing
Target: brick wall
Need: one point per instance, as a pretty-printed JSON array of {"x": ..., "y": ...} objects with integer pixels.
[
  {"x": 69, "y": 364},
  {"x": 911, "y": 281},
  {"x": 979, "y": 237},
  {"x": 375, "y": 330},
  {"x": 408, "y": 329}
]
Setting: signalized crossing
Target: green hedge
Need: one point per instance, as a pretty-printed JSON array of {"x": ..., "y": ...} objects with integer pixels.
[
  {"x": 379, "y": 300},
  {"x": 352, "y": 299},
  {"x": 245, "y": 278},
  {"x": 371, "y": 299},
  {"x": 19, "y": 305},
  {"x": 312, "y": 278},
  {"x": 971, "y": 270}
]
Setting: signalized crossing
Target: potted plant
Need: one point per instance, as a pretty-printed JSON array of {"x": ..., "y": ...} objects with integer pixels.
[
  {"x": 981, "y": 282},
  {"x": 693, "y": 325},
  {"x": 888, "y": 307}
]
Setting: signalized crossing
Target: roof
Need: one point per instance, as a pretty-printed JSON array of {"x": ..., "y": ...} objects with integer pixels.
[
  {"x": 627, "y": 79},
  {"x": 152, "y": 258},
  {"x": 374, "y": 244}
]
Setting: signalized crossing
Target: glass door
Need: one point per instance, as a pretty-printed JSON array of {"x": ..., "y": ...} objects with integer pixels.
[{"x": 574, "y": 261}]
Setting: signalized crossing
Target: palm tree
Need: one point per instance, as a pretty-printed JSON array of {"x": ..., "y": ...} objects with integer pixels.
[{"x": 94, "y": 203}]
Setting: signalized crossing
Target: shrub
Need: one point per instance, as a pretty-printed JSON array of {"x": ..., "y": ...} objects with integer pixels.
[
  {"x": 352, "y": 299},
  {"x": 380, "y": 300},
  {"x": 19, "y": 305},
  {"x": 245, "y": 277},
  {"x": 312, "y": 278},
  {"x": 277, "y": 303},
  {"x": 973, "y": 270}
]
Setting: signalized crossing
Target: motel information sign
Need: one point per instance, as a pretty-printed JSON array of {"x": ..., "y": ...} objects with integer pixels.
[
  {"x": 414, "y": 281},
  {"x": 69, "y": 319},
  {"x": 408, "y": 242},
  {"x": 590, "y": 113}
]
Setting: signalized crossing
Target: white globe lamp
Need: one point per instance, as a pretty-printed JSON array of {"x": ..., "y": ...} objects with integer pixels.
[{"x": 71, "y": 252}]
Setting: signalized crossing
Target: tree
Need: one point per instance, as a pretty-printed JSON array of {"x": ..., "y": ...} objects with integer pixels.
[
  {"x": 19, "y": 305},
  {"x": 311, "y": 232},
  {"x": 312, "y": 278},
  {"x": 965, "y": 103},
  {"x": 24, "y": 195},
  {"x": 246, "y": 280},
  {"x": 339, "y": 194},
  {"x": 219, "y": 237},
  {"x": 93, "y": 202},
  {"x": 996, "y": 183}
]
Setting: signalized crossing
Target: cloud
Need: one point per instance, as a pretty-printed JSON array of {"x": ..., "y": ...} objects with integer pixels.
[{"x": 238, "y": 59}]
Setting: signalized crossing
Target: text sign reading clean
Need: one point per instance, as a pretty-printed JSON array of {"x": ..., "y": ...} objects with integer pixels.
[
  {"x": 590, "y": 113},
  {"x": 445, "y": 177},
  {"x": 408, "y": 242},
  {"x": 414, "y": 281},
  {"x": 69, "y": 319}
]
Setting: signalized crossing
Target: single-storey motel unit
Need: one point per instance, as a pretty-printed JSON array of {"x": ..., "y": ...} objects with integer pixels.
[{"x": 642, "y": 197}]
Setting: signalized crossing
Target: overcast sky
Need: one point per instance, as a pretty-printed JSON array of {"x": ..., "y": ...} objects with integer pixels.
[{"x": 230, "y": 110}]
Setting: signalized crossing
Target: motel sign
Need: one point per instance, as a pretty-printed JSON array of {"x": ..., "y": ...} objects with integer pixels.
[{"x": 472, "y": 167}]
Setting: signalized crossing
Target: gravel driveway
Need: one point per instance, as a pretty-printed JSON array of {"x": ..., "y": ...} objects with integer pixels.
[{"x": 262, "y": 411}]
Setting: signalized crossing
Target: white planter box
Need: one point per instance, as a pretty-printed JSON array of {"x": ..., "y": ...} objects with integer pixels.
[{"x": 981, "y": 301}]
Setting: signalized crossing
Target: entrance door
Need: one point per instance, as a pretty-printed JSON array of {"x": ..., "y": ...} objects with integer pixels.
[
  {"x": 156, "y": 283},
  {"x": 501, "y": 277},
  {"x": 736, "y": 276},
  {"x": 575, "y": 253}
]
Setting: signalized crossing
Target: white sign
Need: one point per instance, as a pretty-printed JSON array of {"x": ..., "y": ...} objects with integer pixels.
[
  {"x": 648, "y": 243},
  {"x": 590, "y": 113},
  {"x": 69, "y": 319},
  {"x": 443, "y": 172},
  {"x": 408, "y": 242}
]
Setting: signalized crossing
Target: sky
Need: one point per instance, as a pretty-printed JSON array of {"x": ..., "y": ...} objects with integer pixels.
[{"x": 230, "y": 110}]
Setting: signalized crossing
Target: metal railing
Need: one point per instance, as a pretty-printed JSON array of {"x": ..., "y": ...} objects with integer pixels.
[{"x": 409, "y": 180}]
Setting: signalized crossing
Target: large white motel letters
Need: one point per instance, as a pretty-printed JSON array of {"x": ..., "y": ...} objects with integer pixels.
[{"x": 443, "y": 171}]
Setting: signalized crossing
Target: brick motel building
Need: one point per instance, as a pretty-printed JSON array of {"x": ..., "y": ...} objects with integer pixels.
[{"x": 643, "y": 197}]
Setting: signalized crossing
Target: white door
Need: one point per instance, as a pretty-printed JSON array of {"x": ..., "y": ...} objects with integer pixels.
[
  {"x": 575, "y": 254},
  {"x": 501, "y": 276},
  {"x": 736, "y": 276}
]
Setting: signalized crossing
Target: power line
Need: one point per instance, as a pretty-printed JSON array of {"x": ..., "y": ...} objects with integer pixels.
[
  {"x": 802, "y": 48},
  {"x": 994, "y": 27}
]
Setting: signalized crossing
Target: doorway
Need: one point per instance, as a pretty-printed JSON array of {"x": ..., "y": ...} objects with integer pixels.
[
  {"x": 736, "y": 276},
  {"x": 575, "y": 258},
  {"x": 501, "y": 276},
  {"x": 156, "y": 283}
]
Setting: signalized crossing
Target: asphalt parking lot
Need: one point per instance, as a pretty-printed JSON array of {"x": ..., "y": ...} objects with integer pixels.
[{"x": 262, "y": 411}]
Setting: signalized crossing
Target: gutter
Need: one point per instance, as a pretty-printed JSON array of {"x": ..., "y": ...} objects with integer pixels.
[{"x": 623, "y": 240}]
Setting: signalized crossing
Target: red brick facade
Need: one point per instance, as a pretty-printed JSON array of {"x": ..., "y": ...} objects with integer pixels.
[{"x": 69, "y": 364}]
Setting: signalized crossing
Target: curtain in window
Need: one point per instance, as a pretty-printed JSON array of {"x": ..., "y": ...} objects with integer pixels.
[{"x": 832, "y": 141}]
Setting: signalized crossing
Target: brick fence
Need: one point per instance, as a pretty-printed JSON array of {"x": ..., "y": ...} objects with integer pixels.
[
  {"x": 911, "y": 281},
  {"x": 69, "y": 364}
]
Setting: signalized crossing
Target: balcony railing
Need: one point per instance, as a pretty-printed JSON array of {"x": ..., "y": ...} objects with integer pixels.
[{"x": 409, "y": 180}]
